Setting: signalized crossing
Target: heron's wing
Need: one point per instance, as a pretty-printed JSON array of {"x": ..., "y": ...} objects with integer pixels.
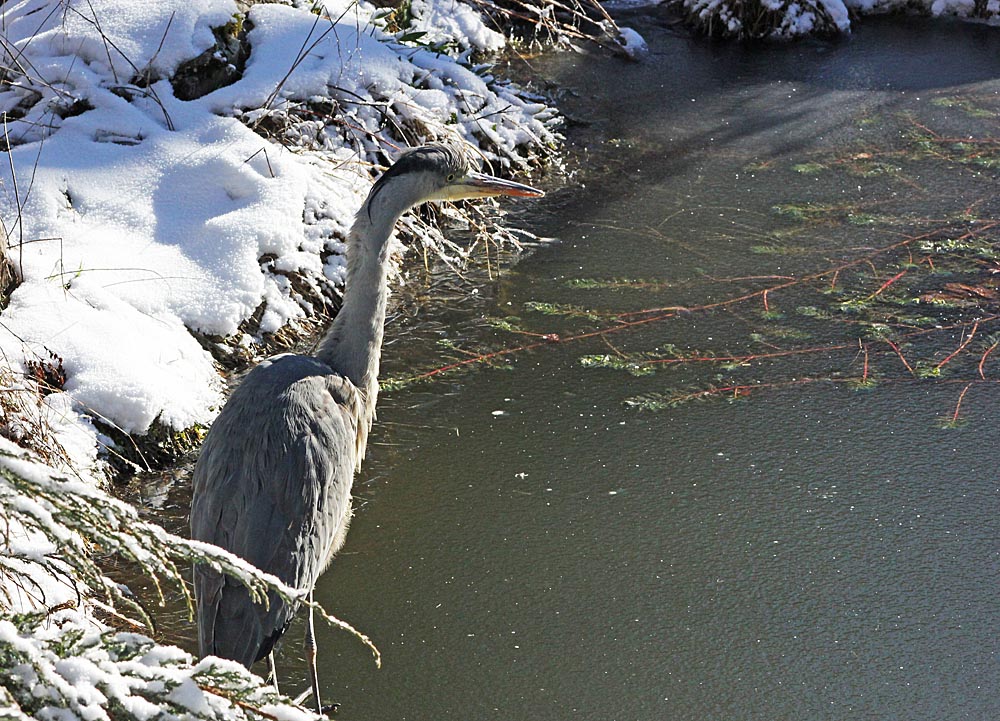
[{"x": 272, "y": 485}]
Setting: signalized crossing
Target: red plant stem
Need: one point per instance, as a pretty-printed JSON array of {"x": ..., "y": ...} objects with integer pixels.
[
  {"x": 983, "y": 359},
  {"x": 958, "y": 406},
  {"x": 740, "y": 278},
  {"x": 962, "y": 345},
  {"x": 864, "y": 371},
  {"x": 813, "y": 349},
  {"x": 737, "y": 391},
  {"x": 741, "y": 390},
  {"x": 966, "y": 141},
  {"x": 926, "y": 129},
  {"x": 938, "y": 329},
  {"x": 548, "y": 339},
  {"x": 766, "y": 308},
  {"x": 673, "y": 311},
  {"x": 745, "y": 389},
  {"x": 901, "y": 357},
  {"x": 885, "y": 285},
  {"x": 823, "y": 273},
  {"x": 746, "y": 358}
]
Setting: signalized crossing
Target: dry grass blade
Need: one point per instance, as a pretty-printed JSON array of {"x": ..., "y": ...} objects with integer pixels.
[{"x": 556, "y": 21}]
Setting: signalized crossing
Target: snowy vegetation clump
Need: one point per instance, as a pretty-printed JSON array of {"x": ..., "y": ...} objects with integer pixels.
[
  {"x": 57, "y": 661},
  {"x": 777, "y": 19},
  {"x": 181, "y": 178},
  {"x": 148, "y": 228}
]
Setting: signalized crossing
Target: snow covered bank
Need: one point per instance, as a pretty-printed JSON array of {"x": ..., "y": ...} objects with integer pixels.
[
  {"x": 182, "y": 175},
  {"x": 139, "y": 220},
  {"x": 778, "y": 19}
]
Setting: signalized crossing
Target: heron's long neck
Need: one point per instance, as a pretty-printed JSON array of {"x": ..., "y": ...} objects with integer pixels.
[{"x": 353, "y": 344}]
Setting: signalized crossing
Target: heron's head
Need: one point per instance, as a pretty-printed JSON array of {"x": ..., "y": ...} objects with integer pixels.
[{"x": 438, "y": 172}]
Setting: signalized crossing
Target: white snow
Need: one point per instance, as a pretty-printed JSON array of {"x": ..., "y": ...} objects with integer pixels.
[
  {"x": 449, "y": 21},
  {"x": 936, "y": 8},
  {"x": 72, "y": 666},
  {"x": 159, "y": 38},
  {"x": 632, "y": 42},
  {"x": 838, "y": 13},
  {"x": 145, "y": 218},
  {"x": 141, "y": 222},
  {"x": 962, "y": 8},
  {"x": 80, "y": 686},
  {"x": 803, "y": 17}
]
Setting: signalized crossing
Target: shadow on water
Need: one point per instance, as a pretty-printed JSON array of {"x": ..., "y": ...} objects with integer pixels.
[
  {"x": 163, "y": 497},
  {"x": 692, "y": 100},
  {"x": 527, "y": 546}
]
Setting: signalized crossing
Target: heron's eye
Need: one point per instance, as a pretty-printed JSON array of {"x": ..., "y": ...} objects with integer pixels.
[{"x": 450, "y": 178}]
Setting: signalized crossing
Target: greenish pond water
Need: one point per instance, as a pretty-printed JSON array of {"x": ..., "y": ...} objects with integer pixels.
[
  {"x": 531, "y": 541},
  {"x": 528, "y": 546}
]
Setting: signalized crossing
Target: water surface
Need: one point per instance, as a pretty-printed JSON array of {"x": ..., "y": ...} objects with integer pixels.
[{"x": 527, "y": 546}]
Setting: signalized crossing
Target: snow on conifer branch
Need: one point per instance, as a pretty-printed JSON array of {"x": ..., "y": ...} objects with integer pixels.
[
  {"x": 54, "y": 525},
  {"x": 58, "y": 657}
]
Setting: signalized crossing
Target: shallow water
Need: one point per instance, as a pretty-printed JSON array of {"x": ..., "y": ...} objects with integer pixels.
[{"x": 527, "y": 546}]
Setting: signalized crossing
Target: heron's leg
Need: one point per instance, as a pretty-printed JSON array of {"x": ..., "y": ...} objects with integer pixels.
[
  {"x": 272, "y": 672},
  {"x": 311, "y": 656}
]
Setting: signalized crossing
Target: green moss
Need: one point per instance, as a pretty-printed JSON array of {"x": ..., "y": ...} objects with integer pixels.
[
  {"x": 864, "y": 219},
  {"x": 615, "y": 284},
  {"x": 617, "y": 363},
  {"x": 951, "y": 423},
  {"x": 563, "y": 309},
  {"x": 809, "y": 168},
  {"x": 965, "y": 106}
]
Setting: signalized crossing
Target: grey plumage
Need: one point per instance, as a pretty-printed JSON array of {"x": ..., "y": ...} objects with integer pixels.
[
  {"x": 273, "y": 482},
  {"x": 270, "y": 494}
]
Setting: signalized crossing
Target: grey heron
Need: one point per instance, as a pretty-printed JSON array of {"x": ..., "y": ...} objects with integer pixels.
[{"x": 273, "y": 481}]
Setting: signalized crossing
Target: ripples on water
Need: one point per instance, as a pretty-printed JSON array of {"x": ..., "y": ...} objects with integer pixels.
[{"x": 527, "y": 547}]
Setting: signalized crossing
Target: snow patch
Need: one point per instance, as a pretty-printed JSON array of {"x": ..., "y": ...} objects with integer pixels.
[
  {"x": 146, "y": 217},
  {"x": 632, "y": 42}
]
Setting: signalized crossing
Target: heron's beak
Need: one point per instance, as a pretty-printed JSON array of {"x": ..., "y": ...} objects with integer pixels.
[{"x": 478, "y": 185}]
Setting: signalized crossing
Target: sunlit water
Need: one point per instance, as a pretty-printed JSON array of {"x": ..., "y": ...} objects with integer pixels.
[{"x": 527, "y": 546}]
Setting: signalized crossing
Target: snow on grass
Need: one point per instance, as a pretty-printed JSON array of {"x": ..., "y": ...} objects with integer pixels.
[
  {"x": 445, "y": 21},
  {"x": 61, "y": 30},
  {"x": 146, "y": 228},
  {"x": 58, "y": 661},
  {"x": 632, "y": 43},
  {"x": 70, "y": 669},
  {"x": 145, "y": 217},
  {"x": 782, "y": 19},
  {"x": 988, "y": 11}
]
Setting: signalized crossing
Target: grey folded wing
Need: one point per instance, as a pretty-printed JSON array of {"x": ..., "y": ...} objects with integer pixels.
[{"x": 272, "y": 485}]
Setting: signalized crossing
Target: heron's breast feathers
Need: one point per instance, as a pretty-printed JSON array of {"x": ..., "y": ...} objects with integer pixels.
[{"x": 359, "y": 405}]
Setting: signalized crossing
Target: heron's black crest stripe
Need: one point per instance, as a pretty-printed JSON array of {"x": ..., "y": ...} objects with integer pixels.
[{"x": 428, "y": 158}]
